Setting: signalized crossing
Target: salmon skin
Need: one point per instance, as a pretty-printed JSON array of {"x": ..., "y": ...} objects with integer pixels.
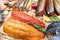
[
  {"x": 40, "y": 8},
  {"x": 57, "y": 6},
  {"x": 49, "y": 7}
]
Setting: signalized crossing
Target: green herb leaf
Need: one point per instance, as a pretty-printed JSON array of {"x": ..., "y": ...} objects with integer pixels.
[
  {"x": 38, "y": 28},
  {"x": 54, "y": 18}
]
